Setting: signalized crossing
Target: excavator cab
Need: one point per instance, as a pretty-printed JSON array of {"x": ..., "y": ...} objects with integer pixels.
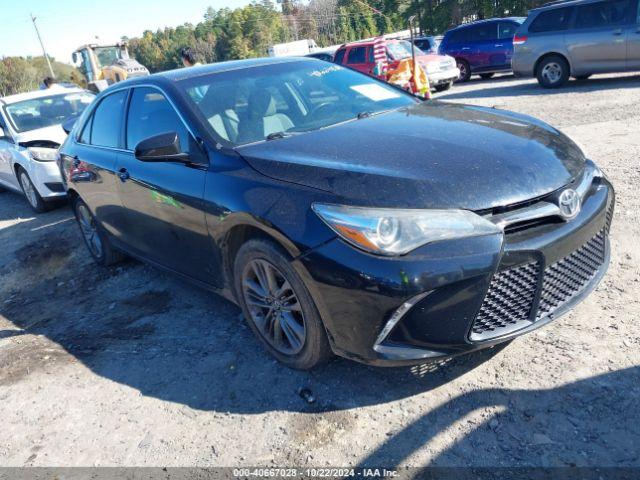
[{"x": 104, "y": 65}]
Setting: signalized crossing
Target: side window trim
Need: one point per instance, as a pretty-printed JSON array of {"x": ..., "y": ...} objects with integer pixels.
[
  {"x": 169, "y": 101},
  {"x": 88, "y": 123}
]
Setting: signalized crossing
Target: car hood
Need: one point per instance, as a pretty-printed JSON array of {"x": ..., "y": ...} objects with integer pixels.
[
  {"x": 431, "y": 155},
  {"x": 54, "y": 134}
]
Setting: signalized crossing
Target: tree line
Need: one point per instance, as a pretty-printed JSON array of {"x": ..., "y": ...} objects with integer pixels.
[{"x": 246, "y": 32}]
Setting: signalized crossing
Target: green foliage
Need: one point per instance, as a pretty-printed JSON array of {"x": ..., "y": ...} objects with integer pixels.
[
  {"x": 18, "y": 74},
  {"x": 246, "y": 32}
]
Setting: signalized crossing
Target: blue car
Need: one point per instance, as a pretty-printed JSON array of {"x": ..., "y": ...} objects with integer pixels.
[{"x": 482, "y": 48}]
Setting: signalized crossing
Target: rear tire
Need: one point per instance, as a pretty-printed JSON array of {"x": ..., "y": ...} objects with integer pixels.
[
  {"x": 553, "y": 72},
  {"x": 443, "y": 87},
  {"x": 96, "y": 240},
  {"x": 278, "y": 307},
  {"x": 465, "y": 70},
  {"x": 486, "y": 76},
  {"x": 30, "y": 192}
]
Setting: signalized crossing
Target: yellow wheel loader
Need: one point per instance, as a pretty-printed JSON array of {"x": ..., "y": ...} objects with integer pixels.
[{"x": 103, "y": 65}]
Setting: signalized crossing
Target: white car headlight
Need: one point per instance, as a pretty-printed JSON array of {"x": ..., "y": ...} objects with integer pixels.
[
  {"x": 387, "y": 231},
  {"x": 42, "y": 154}
]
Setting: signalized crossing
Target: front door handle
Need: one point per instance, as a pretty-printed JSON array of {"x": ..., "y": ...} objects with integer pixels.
[
  {"x": 617, "y": 32},
  {"x": 123, "y": 174},
  {"x": 499, "y": 45}
]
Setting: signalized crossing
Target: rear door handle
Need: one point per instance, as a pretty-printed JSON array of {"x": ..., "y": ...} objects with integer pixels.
[
  {"x": 617, "y": 32},
  {"x": 499, "y": 45},
  {"x": 123, "y": 174},
  {"x": 466, "y": 48}
]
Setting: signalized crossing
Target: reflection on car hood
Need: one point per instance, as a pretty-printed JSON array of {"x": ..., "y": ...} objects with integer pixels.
[
  {"x": 432, "y": 155},
  {"x": 54, "y": 133}
]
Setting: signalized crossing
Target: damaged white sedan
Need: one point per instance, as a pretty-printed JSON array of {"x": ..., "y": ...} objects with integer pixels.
[{"x": 30, "y": 134}]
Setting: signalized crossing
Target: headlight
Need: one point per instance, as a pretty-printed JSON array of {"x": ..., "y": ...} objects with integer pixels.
[
  {"x": 388, "y": 231},
  {"x": 42, "y": 154}
]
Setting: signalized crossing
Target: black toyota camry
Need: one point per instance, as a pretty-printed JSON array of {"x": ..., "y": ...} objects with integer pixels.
[{"x": 341, "y": 214}]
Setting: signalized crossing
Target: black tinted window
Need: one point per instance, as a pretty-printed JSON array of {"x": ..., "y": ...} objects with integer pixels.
[
  {"x": 458, "y": 36},
  {"x": 507, "y": 30},
  {"x": 150, "y": 113},
  {"x": 486, "y": 31},
  {"x": 357, "y": 55},
  {"x": 551, "y": 20},
  {"x": 340, "y": 56},
  {"x": 423, "y": 45},
  {"x": 603, "y": 14},
  {"x": 107, "y": 121}
]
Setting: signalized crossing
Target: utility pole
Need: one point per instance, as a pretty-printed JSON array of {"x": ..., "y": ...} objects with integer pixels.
[{"x": 33, "y": 19}]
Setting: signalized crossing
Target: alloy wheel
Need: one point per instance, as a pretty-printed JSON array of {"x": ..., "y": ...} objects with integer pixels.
[
  {"x": 274, "y": 307},
  {"x": 28, "y": 189},
  {"x": 552, "y": 72},
  {"x": 89, "y": 231},
  {"x": 463, "y": 70}
]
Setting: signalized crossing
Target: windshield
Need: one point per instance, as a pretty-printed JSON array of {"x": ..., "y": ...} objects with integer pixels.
[
  {"x": 271, "y": 101},
  {"x": 107, "y": 55},
  {"x": 46, "y": 111},
  {"x": 401, "y": 50}
]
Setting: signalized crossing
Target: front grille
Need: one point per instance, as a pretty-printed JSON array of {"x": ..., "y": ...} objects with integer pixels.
[
  {"x": 510, "y": 301},
  {"x": 566, "y": 278}
]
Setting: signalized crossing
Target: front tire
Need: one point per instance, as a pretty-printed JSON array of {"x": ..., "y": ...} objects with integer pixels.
[
  {"x": 30, "y": 192},
  {"x": 278, "y": 307},
  {"x": 553, "y": 72},
  {"x": 465, "y": 70},
  {"x": 94, "y": 237}
]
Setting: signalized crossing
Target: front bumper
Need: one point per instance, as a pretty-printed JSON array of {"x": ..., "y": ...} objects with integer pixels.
[
  {"x": 446, "y": 76},
  {"x": 47, "y": 180},
  {"x": 456, "y": 289}
]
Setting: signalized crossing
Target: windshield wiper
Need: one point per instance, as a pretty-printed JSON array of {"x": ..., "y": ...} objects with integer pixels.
[
  {"x": 276, "y": 135},
  {"x": 369, "y": 113}
]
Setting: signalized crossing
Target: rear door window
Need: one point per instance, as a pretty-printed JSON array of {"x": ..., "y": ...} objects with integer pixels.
[
  {"x": 150, "y": 114},
  {"x": 339, "y": 58},
  {"x": 357, "y": 55},
  {"x": 552, "y": 20},
  {"x": 485, "y": 32},
  {"x": 507, "y": 30},
  {"x": 458, "y": 36},
  {"x": 106, "y": 121},
  {"x": 603, "y": 14}
]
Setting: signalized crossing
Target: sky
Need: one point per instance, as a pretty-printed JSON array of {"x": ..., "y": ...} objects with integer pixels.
[{"x": 67, "y": 24}]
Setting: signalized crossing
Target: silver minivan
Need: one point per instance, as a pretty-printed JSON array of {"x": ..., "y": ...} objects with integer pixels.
[{"x": 578, "y": 38}]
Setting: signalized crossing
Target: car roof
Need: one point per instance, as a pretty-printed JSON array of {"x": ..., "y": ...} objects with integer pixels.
[
  {"x": 562, "y": 3},
  {"x": 19, "y": 97},
  {"x": 488, "y": 20}
]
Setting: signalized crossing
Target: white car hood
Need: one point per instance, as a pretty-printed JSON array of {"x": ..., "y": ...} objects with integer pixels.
[{"x": 54, "y": 133}]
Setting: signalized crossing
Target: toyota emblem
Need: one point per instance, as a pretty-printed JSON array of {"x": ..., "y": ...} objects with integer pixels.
[{"x": 569, "y": 203}]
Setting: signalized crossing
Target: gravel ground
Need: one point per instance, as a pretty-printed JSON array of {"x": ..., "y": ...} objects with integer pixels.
[{"x": 128, "y": 366}]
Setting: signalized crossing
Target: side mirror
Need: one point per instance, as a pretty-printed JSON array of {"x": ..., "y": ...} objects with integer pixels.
[
  {"x": 161, "y": 148},
  {"x": 68, "y": 124},
  {"x": 74, "y": 57}
]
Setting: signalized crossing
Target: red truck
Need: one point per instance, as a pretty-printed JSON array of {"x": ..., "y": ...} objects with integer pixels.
[{"x": 441, "y": 70}]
